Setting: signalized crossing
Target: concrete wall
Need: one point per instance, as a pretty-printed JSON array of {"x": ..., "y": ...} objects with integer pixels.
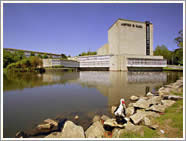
[
  {"x": 104, "y": 50},
  {"x": 59, "y": 62},
  {"x": 129, "y": 39}
]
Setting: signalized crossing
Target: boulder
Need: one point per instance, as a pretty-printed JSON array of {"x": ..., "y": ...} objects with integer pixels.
[
  {"x": 141, "y": 103},
  {"x": 116, "y": 132},
  {"x": 51, "y": 122},
  {"x": 113, "y": 108},
  {"x": 167, "y": 103},
  {"x": 137, "y": 117},
  {"x": 154, "y": 127},
  {"x": 113, "y": 124},
  {"x": 154, "y": 100},
  {"x": 163, "y": 91},
  {"x": 149, "y": 94},
  {"x": 43, "y": 126},
  {"x": 104, "y": 117},
  {"x": 147, "y": 121},
  {"x": 70, "y": 130},
  {"x": 96, "y": 118},
  {"x": 157, "y": 108},
  {"x": 131, "y": 127},
  {"x": 76, "y": 117},
  {"x": 54, "y": 135},
  {"x": 131, "y": 105},
  {"x": 151, "y": 114},
  {"x": 96, "y": 130},
  {"x": 129, "y": 111},
  {"x": 172, "y": 97},
  {"x": 134, "y": 98}
]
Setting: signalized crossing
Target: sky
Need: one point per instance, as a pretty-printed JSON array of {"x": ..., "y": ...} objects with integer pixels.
[{"x": 76, "y": 28}]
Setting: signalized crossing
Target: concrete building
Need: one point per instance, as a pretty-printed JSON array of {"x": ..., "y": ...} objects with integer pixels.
[
  {"x": 130, "y": 46},
  {"x": 36, "y": 53}
]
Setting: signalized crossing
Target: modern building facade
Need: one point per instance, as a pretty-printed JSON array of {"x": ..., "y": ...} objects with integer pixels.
[
  {"x": 130, "y": 46},
  {"x": 36, "y": 53}
]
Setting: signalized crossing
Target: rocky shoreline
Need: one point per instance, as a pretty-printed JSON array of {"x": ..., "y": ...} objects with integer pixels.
[{"x": 140, "y": 112}]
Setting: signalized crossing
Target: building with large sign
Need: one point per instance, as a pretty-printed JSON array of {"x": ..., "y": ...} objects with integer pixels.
[{"x": 130, "y": 46}]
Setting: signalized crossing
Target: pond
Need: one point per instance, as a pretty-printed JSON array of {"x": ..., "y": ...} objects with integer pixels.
[{"x": 30, "y": 98}]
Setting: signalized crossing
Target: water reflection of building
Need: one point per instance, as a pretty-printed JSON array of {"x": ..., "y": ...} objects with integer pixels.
[
  {"x": 116, "y": 85},
  {"x": 143, "y": 77}
]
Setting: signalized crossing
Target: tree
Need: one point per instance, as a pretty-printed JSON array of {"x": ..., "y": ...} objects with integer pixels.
[
  {"x": 163, "y": 51},
  {"x": 45, "y": 56},
  {"x": 63, "y": 56},
  {"x": 179, "y": 39},
  {"x": 32, "y": 54}
]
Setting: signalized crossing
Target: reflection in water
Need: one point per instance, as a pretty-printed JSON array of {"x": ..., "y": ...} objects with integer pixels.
[{"x": 30, "y": 98}]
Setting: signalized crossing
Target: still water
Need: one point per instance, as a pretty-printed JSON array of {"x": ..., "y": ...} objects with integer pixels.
[{"x": 30, "y": 98}]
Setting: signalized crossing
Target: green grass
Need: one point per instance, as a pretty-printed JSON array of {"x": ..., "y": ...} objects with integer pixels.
[
  {"x": 175, "y": 125},
  {"x": 148, "y": 133},
  {"x": 171, "y": 69}
]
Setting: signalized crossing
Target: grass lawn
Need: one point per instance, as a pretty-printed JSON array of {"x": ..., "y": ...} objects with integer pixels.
[
  {"x": 171, "y": 123},
  {"x": 171, "y": 69}
]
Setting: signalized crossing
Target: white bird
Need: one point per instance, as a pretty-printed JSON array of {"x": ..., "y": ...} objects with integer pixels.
[{"x": 120, "y": 112}]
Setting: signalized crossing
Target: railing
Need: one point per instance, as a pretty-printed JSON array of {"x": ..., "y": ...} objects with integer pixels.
[{"x": 141, "y": 62}]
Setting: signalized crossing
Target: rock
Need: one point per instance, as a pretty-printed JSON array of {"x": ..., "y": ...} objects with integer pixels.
[
  {"x": 116, "y": 132},
  {"x": 70, "y": 130},
  {"x": 21, "y": 134},
  {"x": 112, "y": 123},
  {"x": 157, "y": 108},
  {"x": 43, "y": 126},
  {"x": 151, "y": 114},
  {"x": 137, "y": 117},
  {"x": 141, "y": 103},
  {"x": 167, "y": 103},
  {"x": 163, "y": 91},
  {"x": 172, "y": 97},
  {"x": 76, "y": 117},
  {"x": 104, "y": 117},
  {"x": 51, "y": 122},
  {"x": 113, "y": 108},
  {"x": 96, "y": 118},
  {"x": 134, "y": 98},
  {"x": 55, "y": 135},
  {"x": 149, "y": 94},
  {"x": 96, "y": 130},
  {"x": 129, "y": 111},
  {"x": 154, "y": 127},
  {"x": 134, "y": 128},
  {"x": 147, "y": 121},
  {"x": 154, "y": 100},
  {"x": 131, "y": 105}
]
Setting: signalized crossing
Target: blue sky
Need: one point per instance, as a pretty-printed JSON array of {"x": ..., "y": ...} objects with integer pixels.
[{"x": 74, "y": 28}]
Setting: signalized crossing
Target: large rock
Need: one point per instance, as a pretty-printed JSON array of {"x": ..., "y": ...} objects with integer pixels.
[
  {"x": 141, "y": 103},
  {"x": 151, "y": 114},
  {"x": 96, "y": 118},
  {"x": 167, "y": 103},
  {"x": 54, "y": 135},
  {"x": 172, "y": 97},
  {"x": 51, "y": 122},
  {"x": 157, "y": 108},
  {"x": 104, "y": 117},
  {"x": 163, "y": 91},
  {"x": 96, "y": 130},
  {"x": 147, "y": 121},
  {"x": 149, "y": 94},
  {"x": 112, "y": 123},
  {"x": 70, "y": 130},
  {"x": 138, "y": 117},
  {"x": 154, "y": 100},
  {"x": 134, "y": 98},
  {"x": 129, "y": 111},
  {"x": 132, "y": 128},
  {"x": 44, "y": 126}
]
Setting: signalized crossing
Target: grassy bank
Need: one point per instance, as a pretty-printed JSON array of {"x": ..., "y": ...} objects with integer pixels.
[
  {"x": 172, "y": 69},
  {"x": 171, "y": 122}
]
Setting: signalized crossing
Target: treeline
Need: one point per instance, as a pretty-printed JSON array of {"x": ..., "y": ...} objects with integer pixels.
[
  {"x": 88, "y": 53},
  {"x": 17, "y": 61},
  {"x": 173, "y": 57}
]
